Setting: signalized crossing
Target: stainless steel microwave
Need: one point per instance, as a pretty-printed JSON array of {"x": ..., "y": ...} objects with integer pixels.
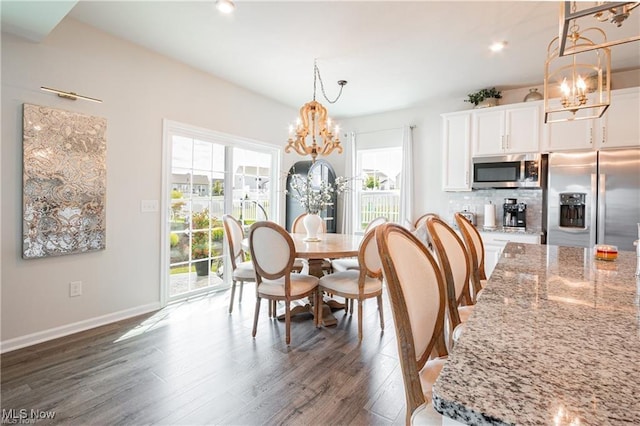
[{"x": 510, "y": 171}]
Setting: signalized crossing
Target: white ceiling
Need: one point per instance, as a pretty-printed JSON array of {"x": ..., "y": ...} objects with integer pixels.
[{"x": 394, "y": 54}]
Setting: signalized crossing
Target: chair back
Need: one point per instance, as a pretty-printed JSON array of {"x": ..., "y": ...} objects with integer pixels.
[
  {"x": 375, "y": 222},
  {"x": 272, "y": 251},
  {"x": 417, "y": 294},
  {"x": 475, "y": 246},
  {"x": 298, "y": 225},
  {"x": 422, "y": 220},
  {"x": 369, "y": 258},
  {"x": 454, "y": 263},
  {"x": 234, "y": 233}
]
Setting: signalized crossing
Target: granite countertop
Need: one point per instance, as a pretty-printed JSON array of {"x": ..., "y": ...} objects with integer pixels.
[
  {"x": 525, "y": 231},
  {"x": 501, "y": 229},
  {"x": 553, "y": 339}
]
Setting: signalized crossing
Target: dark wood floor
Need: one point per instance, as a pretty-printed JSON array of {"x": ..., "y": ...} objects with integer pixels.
[{"x": 193, "y": 363}]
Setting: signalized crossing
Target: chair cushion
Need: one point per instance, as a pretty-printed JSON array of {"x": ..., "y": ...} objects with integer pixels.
[
  {"x": 457, "y": 332},
  {"x": 244, "y": 271},
  {"x": 341, "y": 265},
  {"x": 465, "y": 312},
  {"x": 426, "y": 415},
  {"x": 347, "y": 282},
  {"x": 429, "y": 374},
  {"x": 300, "y": 284}
]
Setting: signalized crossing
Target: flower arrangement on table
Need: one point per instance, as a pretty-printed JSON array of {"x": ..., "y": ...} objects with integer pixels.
[{"x": 313, "y": 200}]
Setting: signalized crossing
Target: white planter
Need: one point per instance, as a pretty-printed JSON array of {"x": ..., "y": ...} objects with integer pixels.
[
  {"x": 313, "y": 224},
  {"x": 488, "y": 102}
]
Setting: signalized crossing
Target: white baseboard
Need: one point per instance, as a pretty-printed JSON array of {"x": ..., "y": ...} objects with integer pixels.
[{"x": 65, "y": 330}]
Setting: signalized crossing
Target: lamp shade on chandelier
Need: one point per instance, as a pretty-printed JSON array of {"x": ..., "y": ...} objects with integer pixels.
[
  {"x": 313, "y": 133},
  {"x": 577, "y": 86}
]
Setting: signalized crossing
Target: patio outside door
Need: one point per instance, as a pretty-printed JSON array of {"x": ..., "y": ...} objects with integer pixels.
[{"x": 208, "y": 174}]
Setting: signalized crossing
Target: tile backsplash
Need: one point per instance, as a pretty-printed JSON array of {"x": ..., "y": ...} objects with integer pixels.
[{"x": 475, "y": 200}]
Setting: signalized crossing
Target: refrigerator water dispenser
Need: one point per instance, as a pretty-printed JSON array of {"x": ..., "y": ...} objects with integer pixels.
[{"x": 572, "y": 210}]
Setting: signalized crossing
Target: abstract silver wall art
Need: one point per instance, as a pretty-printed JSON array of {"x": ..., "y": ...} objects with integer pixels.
[{"x": 64, "y": 182}]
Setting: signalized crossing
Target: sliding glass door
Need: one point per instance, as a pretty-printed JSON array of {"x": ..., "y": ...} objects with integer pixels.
[{"x": 208, "y": 174}]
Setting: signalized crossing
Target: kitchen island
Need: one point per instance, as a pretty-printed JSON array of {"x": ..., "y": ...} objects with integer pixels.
[{"x": 553, "y": 340}]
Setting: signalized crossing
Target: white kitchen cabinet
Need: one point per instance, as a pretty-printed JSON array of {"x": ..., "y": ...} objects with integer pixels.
[
  {"x": 494, "y": 243},
  {"x": 569, "y": 135},
  {"x": 507, "y": 130},
  {"x": 619, "y": 126},
  {"x": 456, "y": 136}
]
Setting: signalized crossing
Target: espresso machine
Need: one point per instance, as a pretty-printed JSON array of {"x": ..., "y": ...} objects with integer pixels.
[{"x": 514, "y": 214}]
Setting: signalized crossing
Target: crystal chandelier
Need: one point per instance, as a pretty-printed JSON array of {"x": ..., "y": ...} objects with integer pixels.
[
  {"x": 583, "y": 78},
  {"x": 614, "y": 12},
  {"x": 314, "y": 121}
]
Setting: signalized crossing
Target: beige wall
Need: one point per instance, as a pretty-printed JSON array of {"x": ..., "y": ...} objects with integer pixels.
[{"x": 139, "y": 89}]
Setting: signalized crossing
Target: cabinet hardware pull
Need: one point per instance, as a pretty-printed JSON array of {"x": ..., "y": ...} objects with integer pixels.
[
  {"x": 591, "y": 136},
  {"x": 603, "y": 133},
  {"x": 502, "y": 142}
]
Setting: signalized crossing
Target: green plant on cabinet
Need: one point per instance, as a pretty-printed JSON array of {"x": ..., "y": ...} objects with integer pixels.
[{"x": 479, "y": 96}]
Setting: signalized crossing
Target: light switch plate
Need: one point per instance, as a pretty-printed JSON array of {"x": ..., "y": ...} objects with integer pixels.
[
  {"x": 75, "y": 288},
  {"x": 149, "y": 206}
]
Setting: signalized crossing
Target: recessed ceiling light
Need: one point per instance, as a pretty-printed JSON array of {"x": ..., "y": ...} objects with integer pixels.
[
  {"x": 225, "y": 6},
  {"x": 498, "y": 46}
]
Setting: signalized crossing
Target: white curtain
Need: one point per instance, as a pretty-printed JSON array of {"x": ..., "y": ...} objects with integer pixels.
[
  {"x": 346, "y": 227},
  {"x": 406, "y": 176}
]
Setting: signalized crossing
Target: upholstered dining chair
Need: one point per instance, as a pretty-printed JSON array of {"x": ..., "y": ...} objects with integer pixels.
[
  {"x": 241, "y": 270},
  {"x": 419, "y": 229},
  {"x": 422, "y": 220},
  {"x": 340, "y": 265},
  {"x": 454, "y": 263},
  {"x": 298, "y": 227},
  {"x": 475, "y": 248},
  {"x": 358, "y": 284},
  {"x": 418, "y": 301},
  {"x": 272, "y": 253}
]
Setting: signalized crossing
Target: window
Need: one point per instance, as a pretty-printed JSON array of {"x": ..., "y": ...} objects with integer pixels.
[{"x": 379, "y": 193}]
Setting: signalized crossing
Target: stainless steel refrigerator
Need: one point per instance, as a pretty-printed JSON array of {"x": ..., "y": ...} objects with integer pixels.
[{"x": 594, "y": 198}]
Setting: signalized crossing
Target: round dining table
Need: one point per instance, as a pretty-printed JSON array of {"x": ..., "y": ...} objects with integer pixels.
[{"x": 330, "y": 246}]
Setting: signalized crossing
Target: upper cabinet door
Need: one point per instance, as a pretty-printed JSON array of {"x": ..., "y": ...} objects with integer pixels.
[
  {"x": 488, "y": 132},
  {"x": 522, "y": 132},
  {"x": 507, "y": 130},
  {"x": 456, "y": 138},
  {"x": 569, "y": 135},
  {"x": 619, "y": 126}
]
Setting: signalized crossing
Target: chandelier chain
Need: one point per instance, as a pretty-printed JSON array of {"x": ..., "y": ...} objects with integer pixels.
[{"x": 317, "y": 73}]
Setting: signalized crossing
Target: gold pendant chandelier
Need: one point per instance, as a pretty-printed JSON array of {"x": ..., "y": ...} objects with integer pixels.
[
  {"x": 583, "y": 78},
  {"x": 314, "y": 121}
]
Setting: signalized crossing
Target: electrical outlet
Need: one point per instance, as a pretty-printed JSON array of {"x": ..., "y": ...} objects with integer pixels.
[{"x": 75, "y": 288}]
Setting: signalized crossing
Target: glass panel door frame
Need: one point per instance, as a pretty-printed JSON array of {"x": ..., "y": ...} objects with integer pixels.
[{"x": 171, "y": 129}]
